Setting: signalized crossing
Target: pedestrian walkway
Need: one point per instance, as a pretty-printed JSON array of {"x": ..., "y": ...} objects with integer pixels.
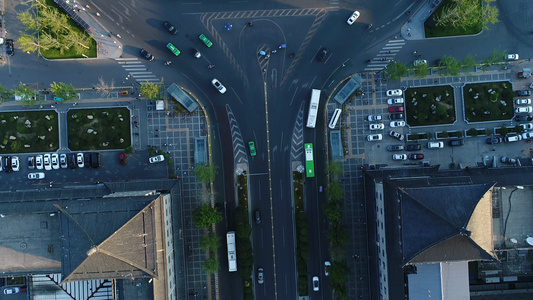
[
  {"x": 385, "y": 56},
  {"x": 137, "y": 70},
  {"x": 414, "y": 28}
]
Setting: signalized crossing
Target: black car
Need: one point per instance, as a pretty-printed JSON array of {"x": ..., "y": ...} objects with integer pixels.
[
  {"x": 71, "y": 160},
  {"x": 31, "y": 162},
  {"x": 413, "y": 147},
  {"x": 456, "y": 142},
  {"x": 396, "y": 116},
  {"x": 147, "y": 55},
  {"x": 494, "y": 140},
  {"x": 322, "y": 54},
  {"x": 8, "y": 164},
  {"x": 523, "y": 92},
  {"x": 395, "y": 148},
  {"x": 10, "y": 47},
  {"x": 95, "y": 160},
  {"x": 170, "y": 27}
]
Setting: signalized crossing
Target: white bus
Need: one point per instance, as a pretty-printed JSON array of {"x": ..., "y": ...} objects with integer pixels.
[
  {"x": 335, "y": 118},
  {"x": 313, "y": 108},
  {"x": 232, "y": 253}
]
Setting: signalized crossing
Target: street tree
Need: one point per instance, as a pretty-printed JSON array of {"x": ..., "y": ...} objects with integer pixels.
[
  {"x": 4, "y": 93},
  {"x": 211, "y": 265},
  {"x": 205, "y": 216},
  {"x": 451, "y": 65},
  {"x": 421, "y": 70},
  {"x": 337, "y": 276},
  {"x": 205, "y": 173},
  {"x": 334, "y": 168},
  {"x": 333, "y": 211},
  {"x": 465, "y": 14},
  {"x": 103, "y": 88},
  {"x": 25, "y": 94},
  {"x": 152, "y": 91},
  {"x": 469, "y": 62},
  {"x": 211, "y": 241},
  {"x": 334, "y": 190},
  {"x": 395, "y": 70},
  {"x": 62, "y": 90}
]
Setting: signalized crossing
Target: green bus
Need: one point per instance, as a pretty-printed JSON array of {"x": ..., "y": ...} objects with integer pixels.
[{"x": 309, "y": 161}]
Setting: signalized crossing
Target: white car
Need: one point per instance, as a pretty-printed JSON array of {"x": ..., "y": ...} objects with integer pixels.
[
  {"x": 524, "y": 109},
  {"x": 221, "y": 88},
  {"x": 397, "y": 92},
  {"x": 397, "y": 124},
  {"x": 55, "y": 161},
  {"x": 38, "y": 175},
  {"x": 327, "y": 265},
  {"x": 512, "y": 56},
  {"x": 513, "y": 138},
  {"x": 527, "y": 135},
  {"x": 523, "y": 101},
  {"x": 378, "y": 126},
  {"x": 399, "y": 157},
  {"x": 47, "y": 162},
  {"x": 15, "y": 164},
  {"x": 316, "y": 286},
  {"x": 419, "y": 62},
  {"x": 63, "y": 161},
  {"x": 353, "y": 17},
  {"x": 527, "y": 126},
  {"x": 11, "y": 290},
  {"x": 156, "y": 159},
  {"x": 39, "y": 162},
  {"x": 395, "y": 101},
  {"x": 397, "y": 135},
  {"x": 374, "y": 137},
  {"x": 372, "y": 118},
  {"x": 79, "y": 160}
]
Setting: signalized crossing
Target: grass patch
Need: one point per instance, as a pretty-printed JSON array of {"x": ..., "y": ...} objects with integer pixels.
[
  {"x": 430, "y": 106},
  {"x": 72, "y": 52},
  {"x": 438, "y": 31},
  {"x": 24, "y": 132},
  {"x": 488, "y": 101},
  {"x": 98, "y": 129}
]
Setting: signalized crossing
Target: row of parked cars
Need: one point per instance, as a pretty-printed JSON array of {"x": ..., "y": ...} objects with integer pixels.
[{"x": 56, "y": 161}]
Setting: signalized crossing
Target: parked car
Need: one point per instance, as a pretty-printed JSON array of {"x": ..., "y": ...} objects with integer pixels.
[
  {"x": 395, "y": 109},
  {"x": 397, "y": 116},
  {"x": 156, "y": 159},
  {"x": 47, "y": 162},
  {"x": 393, "y": 101},
  {"x": 394, "y": 148},
  {"x": 353, "y": 17},
  {"x": 523, "y": 93},
  {"x": 507, "y": 160},
  {"x": 15, "y": 164},
  {"x": 456, "y": 142},
  {"x": 147, "y": 55},
  {"x": 374, "y": 137},
  {"x": 7, "y": 164},
  {"x": 413, "y": 147},
  {"x": 494, "y": 140},
  {"x": 512, "y": 56},
  {"x": 415, "y": 156},
  {"x": 396, "y": 92},
  {"x": 80, "y": 160},
  {"x": 377, "y": 126},
  {"x": 327, "y": 266},
  {"x": 39, "y": 162},
  {"x": 219, "y": 86},
  {"x": 260, "y": 276},
  {"x": 31, "y": 162},
  {"x": 170, "y": 27},
  {"x": 55, "y": 161},
  {"x": 72, "y": 160},
  {"x": 322, "y": 54},
  {"x": 527, "y": 126},
  {"x": 122, "y": 158},
  {"x": 512, "y": 137},
  {"x": 38, "y": 175},
  {"x": 205, "y": 40},
  {"x": 95, "y": 160},
  {"x": 523, "y": 109},
  {"x": 396, "y": 135},
  {"x": 63, "y": 161},
  {"x": 316, "y": 286},
  {"x": 10, "y": 47},
  {"x": 527, "y": 135},
  {"x": 523, "y": 101},
  {"x": 11, "y": 290},
  {"x": 399, "y": 156},
  {"x": 373, "y": 118},
  {"x": 397, "y": 124},
  {"x": 435, "y": 145}
]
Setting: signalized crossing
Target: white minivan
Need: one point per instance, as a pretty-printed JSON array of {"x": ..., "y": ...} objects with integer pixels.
[{"x": 435, "y": 145}]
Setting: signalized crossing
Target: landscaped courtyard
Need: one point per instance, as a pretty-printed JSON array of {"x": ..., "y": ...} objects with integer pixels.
[
  {"x": 488, "y": 101},
  {"x": 429, "y": 106},
  {"x": 99, "y": 129},
  {"x": 23, "y": 132}
]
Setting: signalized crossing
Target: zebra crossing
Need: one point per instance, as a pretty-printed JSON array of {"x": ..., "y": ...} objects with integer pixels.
[
  {"x": 385, "y": 56},
  {"x": 137, "y": 70}
]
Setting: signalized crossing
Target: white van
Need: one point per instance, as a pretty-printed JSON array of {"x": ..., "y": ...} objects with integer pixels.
[{"x": 435, "y": 145}]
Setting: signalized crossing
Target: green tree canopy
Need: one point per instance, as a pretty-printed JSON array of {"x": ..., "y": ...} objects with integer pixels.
[
  {"x": 395, "y": 70},
  {"x": 467, "y": 14},
  {"x": 211, "y": 266},
  {"x": 205, "y": 216},
  {"x": 211, "y": 241},
  {"x": 205, "y": 173},
  {"x": 64, "y": 91},
  {"x": 334, "y": 168},
  {"x": 422, "y": 70},
  {"x": 334, "y": 190}
]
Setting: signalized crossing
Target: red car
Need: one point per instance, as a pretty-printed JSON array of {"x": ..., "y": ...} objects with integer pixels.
[
  {"x": 395, "y": 109},
  {"x": 415, "y": 156},
  {"x": 122, "y": 158}
]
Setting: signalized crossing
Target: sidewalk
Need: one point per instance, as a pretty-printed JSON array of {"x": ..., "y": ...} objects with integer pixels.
[{"x": 414, "y": 28}]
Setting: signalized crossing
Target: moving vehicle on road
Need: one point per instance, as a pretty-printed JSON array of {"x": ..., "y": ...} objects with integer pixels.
[
  {"x": 10, "y": 47},
  {"x": 374, "y": 137},
  {"x": 156, "y": 159},
  {"x": 196, "y": 53},
  {"x": 322, "y": 54},
  {"x": 327, "y": 265},
  {"x": 38, "y": 175},
  {"x": 353, "y": 17},
  {"x": 219, "y": 86},
  {"x": 335, "y": 118},
  {"x": 170, "y": 27},
  {"x": 232, "y": 252},
  {"x": 377, "y": 126},
  {"x": 260, "y": 276},
  {"x": 396, "y": 92},
  {"x": 309, "y": 160},
  {"x": 147, "y": 55},
  {"x": 313, "y": 108},
  {"x": 415, "y": 156},
  {"x": 512, "y": 57},
  {"x": 251, "y": 145},
  {"x": 173, "y": 49},
  {"x": 205, "y": 40},
  {"x": 419, "y": 62},
  {"x": 316, "y": 286}
]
